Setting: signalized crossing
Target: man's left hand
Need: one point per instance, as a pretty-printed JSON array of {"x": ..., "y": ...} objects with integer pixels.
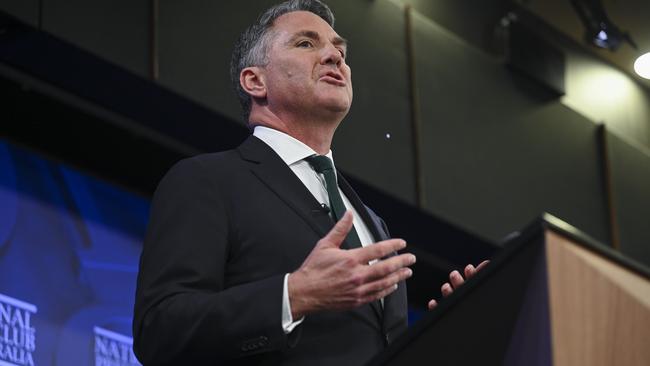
[{"x": 456, "y": 280}]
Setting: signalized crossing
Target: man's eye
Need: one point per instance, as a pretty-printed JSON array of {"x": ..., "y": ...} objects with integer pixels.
[
  {"x": 305, "y": 44},
  {"x": 342, "y": 53}
]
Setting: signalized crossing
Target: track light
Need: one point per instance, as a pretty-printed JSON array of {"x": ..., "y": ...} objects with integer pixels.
[{"x": 599, "y": 30}]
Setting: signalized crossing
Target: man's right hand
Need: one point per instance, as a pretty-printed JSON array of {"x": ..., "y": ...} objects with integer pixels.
[{"x": 332, "y": 278}]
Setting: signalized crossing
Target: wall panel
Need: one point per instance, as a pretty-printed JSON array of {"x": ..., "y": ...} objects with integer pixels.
[
  {"x": 377, "y": 56},
  {"x": 630, "y": 172},
  {"x": 195, "y": 43},
  {"x": 497, "y": 152},
  {"x": 117, "y": 30},
  {"x": 25, "y": 10}
]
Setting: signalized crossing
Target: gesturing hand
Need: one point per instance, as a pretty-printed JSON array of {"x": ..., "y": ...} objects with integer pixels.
[
  {"x": 456, "y": 280},
  {"x": 332, "y": 278}
]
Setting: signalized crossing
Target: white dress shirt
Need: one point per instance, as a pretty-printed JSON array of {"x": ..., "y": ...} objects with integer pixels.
[{"x": 293, "y": 152}]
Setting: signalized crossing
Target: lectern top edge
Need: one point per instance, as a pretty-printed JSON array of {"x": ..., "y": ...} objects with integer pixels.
[
  {"x": 548, "y": 221},
  {"x": 531, "y": 234}
]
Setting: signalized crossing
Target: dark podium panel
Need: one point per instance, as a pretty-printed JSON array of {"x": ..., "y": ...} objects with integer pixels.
[{"x": 553, "y": 296}]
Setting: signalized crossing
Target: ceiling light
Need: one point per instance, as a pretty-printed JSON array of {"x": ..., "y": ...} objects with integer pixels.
[
  {"x": 599, "y": 30},
  {"x": 642, "y": 66}
]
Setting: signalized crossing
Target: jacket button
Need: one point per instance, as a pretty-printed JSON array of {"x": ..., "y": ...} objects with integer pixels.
[
  {"x": 263, "y": 341},
  {"x": 387, "y": 337},
  {"x": 254, "y": 344}
]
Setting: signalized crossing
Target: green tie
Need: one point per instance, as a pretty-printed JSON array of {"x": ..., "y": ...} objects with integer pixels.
[{"x": 323, "y": 165}]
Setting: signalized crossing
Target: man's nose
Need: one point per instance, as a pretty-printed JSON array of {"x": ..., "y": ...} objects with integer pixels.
[{"x": 331, "y": 55}]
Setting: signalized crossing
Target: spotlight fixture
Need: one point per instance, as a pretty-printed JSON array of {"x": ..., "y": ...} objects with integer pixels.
[
  {"x": 642, "y": 66},
  {"x": 599, "y": 30}
]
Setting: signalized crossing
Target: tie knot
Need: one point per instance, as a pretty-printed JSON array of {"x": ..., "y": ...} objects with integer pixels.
[{"x": 320, "y": 163}]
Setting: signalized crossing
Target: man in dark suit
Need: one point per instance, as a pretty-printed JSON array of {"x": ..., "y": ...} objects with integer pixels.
[{"x": 250, "y": 256}]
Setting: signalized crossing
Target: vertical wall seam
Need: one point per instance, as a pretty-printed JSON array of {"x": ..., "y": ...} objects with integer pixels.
[
  {"x": 153, "y": 39},
  {"x": 414, "y": 109},
  {"x": 606, "y": 168},
  {"x": 39, "y": 20}
]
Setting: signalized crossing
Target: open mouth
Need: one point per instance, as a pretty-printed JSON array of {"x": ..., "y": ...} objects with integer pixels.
[{"x": 333, "y": 78}]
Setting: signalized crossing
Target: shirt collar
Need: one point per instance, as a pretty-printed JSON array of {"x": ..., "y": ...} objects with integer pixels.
[{"x": 289, "y": 149}]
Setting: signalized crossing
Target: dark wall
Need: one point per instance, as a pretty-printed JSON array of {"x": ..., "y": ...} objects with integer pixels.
[
  {"x": 498, "y": 151},
  {"x": 199, "y": 68},
  {"x": 375, "y": 31},
  {"x": 117, "y": 30},
  {"x": 25, "y": 10},
  {"x": 375, "y": 140},
  {"x": 473, "y": 21},
  {"x": 630, "y": 167},
  {"x": 495, "y": 152}
]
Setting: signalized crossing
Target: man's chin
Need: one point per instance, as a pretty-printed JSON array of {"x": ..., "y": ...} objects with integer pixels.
[
  {"x": 338, "y": 111},
  {"x": 337, "y": 105}
]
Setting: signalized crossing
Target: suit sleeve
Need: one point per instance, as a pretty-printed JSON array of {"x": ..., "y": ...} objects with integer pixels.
[{"x": 184, "y": 314}]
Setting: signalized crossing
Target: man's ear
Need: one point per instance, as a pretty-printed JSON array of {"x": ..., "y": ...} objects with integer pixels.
[{"x": 253, "y": 82}]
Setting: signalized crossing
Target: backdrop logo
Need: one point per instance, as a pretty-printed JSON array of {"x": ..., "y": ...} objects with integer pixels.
[
  {"x": 113, "y": 349},
  {"x": 17, "y": 336}
]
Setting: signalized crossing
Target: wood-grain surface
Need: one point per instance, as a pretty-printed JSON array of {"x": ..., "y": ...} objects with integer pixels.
[{"x": 600, "y": 312}]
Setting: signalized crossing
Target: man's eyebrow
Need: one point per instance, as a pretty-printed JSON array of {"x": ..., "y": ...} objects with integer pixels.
[
  {"x": 305, "y": 33},
  {"x": 337, "y": 41}
]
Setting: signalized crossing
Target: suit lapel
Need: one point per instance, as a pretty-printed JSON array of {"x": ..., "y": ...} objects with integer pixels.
[
  {"x": 370, "y": 224},
  {"x": 268, "y": 167},
  {"x": 360, "y": 207},
  {"x": 390, "y": 315}
]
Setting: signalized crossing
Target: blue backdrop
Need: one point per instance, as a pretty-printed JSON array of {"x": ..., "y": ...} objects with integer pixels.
[{"x": 69, "y": 250}]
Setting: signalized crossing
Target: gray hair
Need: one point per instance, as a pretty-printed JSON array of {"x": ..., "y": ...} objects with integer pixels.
[{"x": 251, "y": 49}]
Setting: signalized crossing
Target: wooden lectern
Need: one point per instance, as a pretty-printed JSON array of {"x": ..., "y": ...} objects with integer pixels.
[{"x": 552, "y": 296}]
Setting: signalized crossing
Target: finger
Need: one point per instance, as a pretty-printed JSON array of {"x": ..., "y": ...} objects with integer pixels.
[
  {"x": 482, "y": 264},
  {"x": 383, "y": 293},
  {"x": 388, "y": 281},
  {"x": 432, "y": 304},
  {"x": 469, "y": 271},
  {"x": 388, "y": 266},
  {"x": 456, "y": 279},
  {"x": 446, "y": 289},
  {"x": 378, "y": 250},
  {"x": 339, "y": 232}
]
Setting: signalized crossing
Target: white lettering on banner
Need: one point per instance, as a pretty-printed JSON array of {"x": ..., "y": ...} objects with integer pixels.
[
  {"x": 17, "y": 335},
  {"x": 113, "y": 349}
]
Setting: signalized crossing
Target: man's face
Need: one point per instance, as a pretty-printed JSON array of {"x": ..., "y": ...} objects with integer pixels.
[{"x": 306, "y": 73}]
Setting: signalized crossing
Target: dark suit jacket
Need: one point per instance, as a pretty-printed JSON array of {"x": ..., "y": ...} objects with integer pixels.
[{"x": 224, "y": 230}]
